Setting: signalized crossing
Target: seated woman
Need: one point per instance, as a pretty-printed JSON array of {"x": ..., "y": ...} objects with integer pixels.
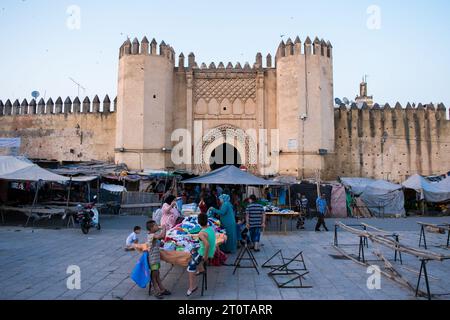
[
  {"x": 228, "y": 221},
  {"x": 170, "y": 213}
]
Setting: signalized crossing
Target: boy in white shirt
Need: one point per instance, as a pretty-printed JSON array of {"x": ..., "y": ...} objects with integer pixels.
[{"x": 132, "y": 239}]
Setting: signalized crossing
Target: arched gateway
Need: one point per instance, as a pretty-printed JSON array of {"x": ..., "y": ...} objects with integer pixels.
[{"x": 226, "y": 145}]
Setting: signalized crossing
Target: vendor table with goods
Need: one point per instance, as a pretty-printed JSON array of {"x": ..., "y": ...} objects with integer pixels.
[
  {"x": 283, "y": 218},
  {"x": 182, "y": 258},
  {"x": 183, "y": 238}
]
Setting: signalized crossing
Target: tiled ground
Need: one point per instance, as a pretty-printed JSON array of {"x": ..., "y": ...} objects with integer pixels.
[{"x": 33, "y": 265}]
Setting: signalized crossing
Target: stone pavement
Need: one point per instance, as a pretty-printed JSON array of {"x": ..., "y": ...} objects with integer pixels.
[{"x": 33, "y": 265}]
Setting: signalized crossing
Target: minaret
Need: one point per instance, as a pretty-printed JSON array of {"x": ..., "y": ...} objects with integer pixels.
[
  {"x": 363, "y": 89},
  {"x": 363, "y": 97}
]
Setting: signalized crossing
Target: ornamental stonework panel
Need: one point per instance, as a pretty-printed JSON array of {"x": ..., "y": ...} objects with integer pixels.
[{"x": 221, "y": 89}]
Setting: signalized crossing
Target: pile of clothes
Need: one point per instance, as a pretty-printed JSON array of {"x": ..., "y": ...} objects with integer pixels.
[
  {"x": 180, "y": 238},
  {"x": 190, "y": 209},
  {"x": 270, "y": 208}
]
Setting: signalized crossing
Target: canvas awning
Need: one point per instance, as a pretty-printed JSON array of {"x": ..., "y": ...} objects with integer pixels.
[
  {"x": 84, "y": 178},
  {"x": 113, "y": 188},
  {"x": 430, "y": 191},
  {"x": 357, "y": 185},
  {"x": 380, "y": 196},
  {"x": 21, "y": 169},
  {"x": 383, "y": 197},
  {"x": 286, "y": 180},
  {"x": 230, "y": 175}
]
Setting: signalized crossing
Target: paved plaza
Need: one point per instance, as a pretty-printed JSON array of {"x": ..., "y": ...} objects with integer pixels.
[{"x": 33, "y": 265}]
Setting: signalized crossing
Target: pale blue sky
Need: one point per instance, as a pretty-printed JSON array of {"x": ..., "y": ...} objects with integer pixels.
[{"x": 406, "y": 60}]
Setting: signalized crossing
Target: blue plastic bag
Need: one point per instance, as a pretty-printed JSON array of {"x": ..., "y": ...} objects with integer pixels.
[{"x": 141, "y": 272}]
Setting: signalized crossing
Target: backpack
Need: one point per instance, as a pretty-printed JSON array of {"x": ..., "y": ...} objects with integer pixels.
[{"x": 219, "y": 259}]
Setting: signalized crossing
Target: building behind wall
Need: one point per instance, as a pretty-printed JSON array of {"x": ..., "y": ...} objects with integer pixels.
[{"x": 291, "y": 92}]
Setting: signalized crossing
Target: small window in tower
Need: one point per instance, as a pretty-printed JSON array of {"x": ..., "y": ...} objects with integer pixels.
[
  {"x": 154, "y": 96},
  {"x": 224, "y": 108}
]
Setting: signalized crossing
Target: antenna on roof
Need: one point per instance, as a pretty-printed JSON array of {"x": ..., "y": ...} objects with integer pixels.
[{"x": 79, "y": 86}]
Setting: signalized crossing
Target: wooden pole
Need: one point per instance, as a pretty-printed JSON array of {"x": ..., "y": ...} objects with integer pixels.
[
  {"x": 68, "y": 193},
  {"x": 34, "y": 202},
  {"x": 318, "y": 182},
  {"x": 89, "y": 192},
  {"x": 289, "y": 193},
  {"x": 98, "y": 189}
]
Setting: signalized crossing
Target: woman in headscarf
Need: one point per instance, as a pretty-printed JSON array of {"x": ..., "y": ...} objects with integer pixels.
[
  {"x": 170, "y": 214},
  {"x": 228, "y": 221}
]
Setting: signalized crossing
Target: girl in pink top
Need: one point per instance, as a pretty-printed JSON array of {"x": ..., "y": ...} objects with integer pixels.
[{"x": 170, "y": 213}]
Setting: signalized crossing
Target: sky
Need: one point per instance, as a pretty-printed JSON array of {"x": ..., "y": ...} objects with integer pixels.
[{"x": 402, "y": 46}]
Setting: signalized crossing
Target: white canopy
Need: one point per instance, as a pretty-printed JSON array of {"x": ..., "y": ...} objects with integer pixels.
[
  {"x": 84, "y": 178},
  {"x": 230, "y": 175},
  {"x": 21, "y": 169},
  {"x": 384, "y": 197},
  {"x": 379, "y": 196},
  {"x": 357, "y": 185},
  {"x": 286, "y": 180},
  {"x": 113, "y": 188},
  {"x": 430, "y": 191}
]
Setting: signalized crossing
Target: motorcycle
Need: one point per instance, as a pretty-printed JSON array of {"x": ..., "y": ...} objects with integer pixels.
[{"x": 88, "y": 217}]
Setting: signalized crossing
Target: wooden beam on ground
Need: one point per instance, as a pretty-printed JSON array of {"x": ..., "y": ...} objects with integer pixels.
[
  {"x": 396, "y": 276},
  {"x": 397, "y": 279},
  {"x": 444, "y": 226},
  {"x": 376, "y": 229},
  {"x": 394, "y": 245}
]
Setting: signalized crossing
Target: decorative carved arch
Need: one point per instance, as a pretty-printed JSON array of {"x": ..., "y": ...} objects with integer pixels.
[{"x": 244, "y": 144}]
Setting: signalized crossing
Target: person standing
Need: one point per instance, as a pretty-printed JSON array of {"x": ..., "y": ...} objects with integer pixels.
[
  {"x": 155, "y": 235},
  {"x": 211, "y": 200},
  {"x": 170, "y": 213},
  {"x": 202, "y": 204},
  {"x": 267, "y": 194},
  {"x": 322, "y": 209},
  {"x": 303, "y": 207},
  {"x": 228, "y": 221},
  {"x": 255, "y": 217}
]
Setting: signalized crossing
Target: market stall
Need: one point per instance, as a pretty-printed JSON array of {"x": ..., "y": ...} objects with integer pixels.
[
  {"x": 231, "y": 175},
  {"x": 20, "y": 169},
  {"x": 380, "y": 197},
  {"x": 433, "y": 192},
  {"x": 283, "y": 219},
  {"x": 183, "y": 238}
]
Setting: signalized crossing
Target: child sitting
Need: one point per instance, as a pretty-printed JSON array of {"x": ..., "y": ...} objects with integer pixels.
[
  {"x": 203, "y": 254},
  {"x": 155, "y": 234},
  {"x": 132, "y": 239}
]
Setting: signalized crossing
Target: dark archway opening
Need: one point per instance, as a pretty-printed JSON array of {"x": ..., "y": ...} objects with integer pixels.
[{"x": 225, "y": 155}]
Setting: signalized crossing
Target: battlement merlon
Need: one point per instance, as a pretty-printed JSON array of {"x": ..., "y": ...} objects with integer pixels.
[
  {"x": 292, "y": 48},
  {"x": 59, "y": 107},
  {"x": 145, "y": 48},
  {"x": 318, "y": 47},
  {"x": 430, "y": 110}
]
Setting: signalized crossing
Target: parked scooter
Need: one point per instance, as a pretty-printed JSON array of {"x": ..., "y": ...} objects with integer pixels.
[{"x": 88, "y": 217}]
